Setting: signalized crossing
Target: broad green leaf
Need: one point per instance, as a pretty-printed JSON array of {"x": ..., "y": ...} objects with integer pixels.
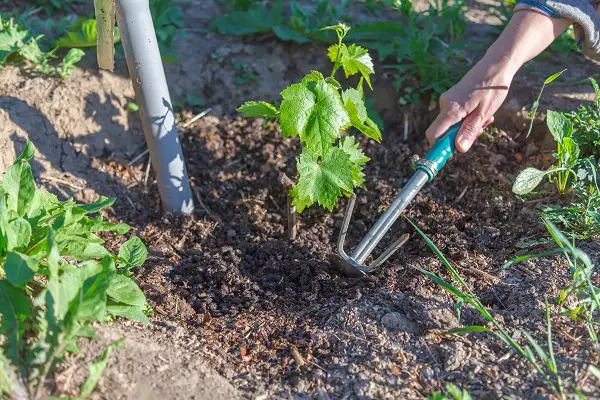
[
  {"x": 552, "y": 77},
  {"x": 334, "y": 52},
  {"x": 557, "y": 124},
  {"x": 82, "y": 34},
  {"x": 528, "y": 180},
  {"x": 20, "y": 268},
  {"x": 333, "y": 82},
  {"x": 255, "y": 20},
  {"x": 96, "y": 369},
  {"x": 18, "y": 235},
  {"x": 134, "y": 313},
  {"x": 313, "y": 76},
  {"x": 252, "y": 109},
  {"x": 27, "y": 154},
  {"x": 133, "y": 252},
  {"x": 90, "y": 302},
  {"x": 287, "y": 34},
  {"x": 124, "y": 290},
  {"x": 82, "y": 250},
  {"x": 368, "y": 127},
  {"x": 31, "y": 51},
  {"x": 322, "y": 182},
  {"x": 359, "y": 111},
  {"x": 313, "y": 111},
  {"x": 56, "y": 303},
  {"x": 19, "y": 186},
  {"x": 353, "y": 59},
  {"x": 572, "y": 149},
  {"x": 357, "y": 157},
  {"x": 87, "y": 225},
  {"x": 98, "y": 205},
  {"x": 15, "y": 310}
]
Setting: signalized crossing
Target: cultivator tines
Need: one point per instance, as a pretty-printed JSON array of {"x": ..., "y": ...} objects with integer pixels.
[
  {"x": 353, "y": 265},
  {"x": 426, "y": 169}
]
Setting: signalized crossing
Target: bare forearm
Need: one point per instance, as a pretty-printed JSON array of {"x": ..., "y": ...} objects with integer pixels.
[{"x": 527, "y": 35}]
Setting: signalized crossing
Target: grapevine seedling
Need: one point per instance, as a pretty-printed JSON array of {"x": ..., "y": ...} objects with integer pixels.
[
  {"x": 56, "y": 280},
  {"x": 319, "y": 111}
]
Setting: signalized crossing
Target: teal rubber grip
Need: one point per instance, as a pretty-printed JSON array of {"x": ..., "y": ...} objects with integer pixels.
[{"x": 442, "y": 150}]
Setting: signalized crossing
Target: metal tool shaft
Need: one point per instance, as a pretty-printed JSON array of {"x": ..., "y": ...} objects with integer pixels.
[{"x": 370, "y": 241}]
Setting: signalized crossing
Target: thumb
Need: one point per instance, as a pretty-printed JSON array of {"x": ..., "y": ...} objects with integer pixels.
[
  {"x": 442, "y": 123},
  {"x": 469, "y": 131}
]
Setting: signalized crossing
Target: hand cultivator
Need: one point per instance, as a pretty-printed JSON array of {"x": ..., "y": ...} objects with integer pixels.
[{"x": 426, "y": 170}]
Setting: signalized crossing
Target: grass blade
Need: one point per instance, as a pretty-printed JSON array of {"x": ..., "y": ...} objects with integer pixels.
[{"x": 96, "y": 369}]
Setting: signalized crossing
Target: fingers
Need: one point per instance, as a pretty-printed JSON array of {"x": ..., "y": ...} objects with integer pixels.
[
  {"x": 470, "y": 130},
  {"x": 448, "y": 117},
  {"x": 488, "y": 122}
]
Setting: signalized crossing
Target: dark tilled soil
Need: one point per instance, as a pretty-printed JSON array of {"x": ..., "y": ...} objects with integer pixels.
[{"x": 262, "y": 306}]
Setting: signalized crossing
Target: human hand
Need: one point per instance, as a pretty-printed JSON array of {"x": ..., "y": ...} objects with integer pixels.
[
  {"x": 474, "y": 100},
  {"x": 477, "y": 97}
]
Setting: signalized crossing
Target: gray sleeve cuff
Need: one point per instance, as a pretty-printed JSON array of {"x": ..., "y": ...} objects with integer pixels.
[{"x": 584, "y": 13}]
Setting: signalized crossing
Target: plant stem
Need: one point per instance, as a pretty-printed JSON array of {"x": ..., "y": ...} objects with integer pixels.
[{"x": 292, "y": 216}]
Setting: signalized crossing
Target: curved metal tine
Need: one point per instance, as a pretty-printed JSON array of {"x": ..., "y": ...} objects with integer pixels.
[
  {"x": 388, "y": 252},
  {"x": 346, "y": 223}
]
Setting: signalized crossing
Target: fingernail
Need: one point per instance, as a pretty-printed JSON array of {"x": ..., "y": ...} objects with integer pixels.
[{"x": 464, "y": 144}]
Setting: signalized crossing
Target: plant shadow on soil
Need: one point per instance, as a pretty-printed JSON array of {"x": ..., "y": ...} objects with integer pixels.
[{"x": 76, "y": 159}]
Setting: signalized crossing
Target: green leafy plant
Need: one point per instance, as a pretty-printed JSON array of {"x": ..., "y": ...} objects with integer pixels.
[
  {"x": 423, "y": 48},
  {"x": 586, "y": 125},
  {"x": 17, "y": 45},
  {"x": 56, "y": 280},
  {"x": 318, "y": 111},
  {"x": 454, "y": 393},
  {"x": 168, "y": 24},
  {"x": 567, "y": 156},
  {"x": 82, "y": 34},
  {"x": 581, "y": 217},
  {"x": 50, "y": 6},
  {"x": 302, "y": 26},
  {"x": 542, "y": 360}
]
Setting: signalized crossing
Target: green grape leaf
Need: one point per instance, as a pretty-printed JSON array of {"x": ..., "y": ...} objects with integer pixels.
[
  {"x": 314, "y": 76},
  {"x": 357, "y": 157},
  {"x": 15, "y": 310},
  {"x": 353, "y": 59},
  {"x": 133, "y": 252},
  {"x": 252, "y": 109},
  {"x": 366, "y": 126},
  {"x": 355, "y": 97},
  {"x": 20, "y": 268},
  {"x": 528, "y": 180},
  {"x": 322, "y": 182},
  {"x": 313, "y": 111}
]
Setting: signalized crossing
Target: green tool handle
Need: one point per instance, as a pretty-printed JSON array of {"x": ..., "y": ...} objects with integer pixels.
[{"x": 441, "y": 152}]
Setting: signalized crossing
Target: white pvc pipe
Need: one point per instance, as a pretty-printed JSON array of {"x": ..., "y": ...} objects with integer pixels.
[{"x": 156, "y": 110}]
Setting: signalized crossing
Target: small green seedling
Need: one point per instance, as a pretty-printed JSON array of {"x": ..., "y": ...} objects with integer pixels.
[
  {"x": 56, "y": 281},
  {"x": 319, "y": 112},
  {"x": 567, "y": 156}
]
